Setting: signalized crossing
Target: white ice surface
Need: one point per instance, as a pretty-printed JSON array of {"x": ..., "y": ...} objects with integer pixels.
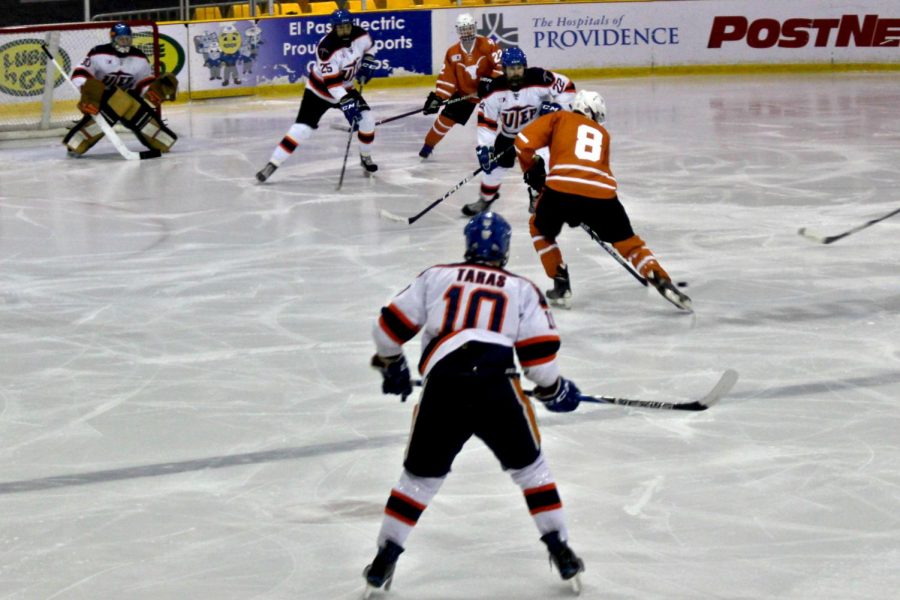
[{"x": 186, "y": 409}]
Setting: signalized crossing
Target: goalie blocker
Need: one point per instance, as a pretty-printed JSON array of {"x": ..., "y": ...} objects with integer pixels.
[{"x": 117, "y": 105}]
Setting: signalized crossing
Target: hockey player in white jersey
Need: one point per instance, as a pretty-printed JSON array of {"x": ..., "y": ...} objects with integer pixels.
[
  {"x": 515, "y": 99},
  {"x": 474, "y": 316},
  {"x": 345, "y": 54},
  {"x": 117, "y": 81}
]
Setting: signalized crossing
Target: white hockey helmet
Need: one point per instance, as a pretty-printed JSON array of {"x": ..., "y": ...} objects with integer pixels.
[
  {"x": 591, "y": 105},
  {"x": 465, "y": 28},
  {"x": 229, "y": 28}
]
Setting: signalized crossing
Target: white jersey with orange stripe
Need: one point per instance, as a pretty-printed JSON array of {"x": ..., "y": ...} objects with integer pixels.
[
  {"x": 129, "y": 70},
  {"x": 336, "y": 64},
  {"x": 506, "y": 110},
  {"x": 465, "y": 302}
]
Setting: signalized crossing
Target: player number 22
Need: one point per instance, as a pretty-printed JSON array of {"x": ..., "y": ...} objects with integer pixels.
[{"x": 589, "y": 143}]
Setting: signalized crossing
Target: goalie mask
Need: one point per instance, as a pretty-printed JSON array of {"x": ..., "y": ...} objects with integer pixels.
[
  {"x": 465, "y": 29},
  {"x": 487, "y": 239},
  {"x": 120, "y": 37},
  {"x": 591, "y": 105}
]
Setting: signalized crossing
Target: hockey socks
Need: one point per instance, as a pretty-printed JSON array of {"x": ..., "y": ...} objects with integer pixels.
[
  {"x": 542, "y": 497},
  {"x": 442, "y": 125},
  {"x": 407, "y": 502},
  {"x": 636, "y": 252}
]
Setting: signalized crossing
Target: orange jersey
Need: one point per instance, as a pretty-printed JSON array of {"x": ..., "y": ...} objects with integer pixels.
[
  {"x": 462, "y": 70},
  {"x": 579, "y": 153}
]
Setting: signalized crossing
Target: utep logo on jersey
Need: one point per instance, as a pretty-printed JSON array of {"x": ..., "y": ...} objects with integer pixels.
[
  {"x": 492, "y": 27},
  {"x": 517, "y": 117},
  {"x": 122, "y": 80}
]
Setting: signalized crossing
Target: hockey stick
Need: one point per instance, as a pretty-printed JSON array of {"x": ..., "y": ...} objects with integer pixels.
[
  {"x": 615, "y": 254},
  {"x": 406, "y": 114},
  {"x": 353, "y": 128},
  {"x": 722, "y": 387},
  {"x": 410, "y": 220},
  {"x": 833, "y": 238},
  {"x": 100, "y": 120}
]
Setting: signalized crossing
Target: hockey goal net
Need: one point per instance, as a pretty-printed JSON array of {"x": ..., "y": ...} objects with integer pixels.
[{"x": 34, "y": 96}]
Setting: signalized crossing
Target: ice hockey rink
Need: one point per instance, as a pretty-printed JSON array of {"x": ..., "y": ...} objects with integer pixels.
[{"x": 187, "y": 410}]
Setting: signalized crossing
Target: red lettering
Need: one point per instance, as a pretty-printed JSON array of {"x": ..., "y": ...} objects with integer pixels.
[
  {"x": 792, "y": 34},
  {"x": 862, "y": 34},
  {"x": 824, "y": 26},
  {"x": 887, "y": 33},
  {"x": 726, "y": 29},
  {"x": 763, "y": 33}
]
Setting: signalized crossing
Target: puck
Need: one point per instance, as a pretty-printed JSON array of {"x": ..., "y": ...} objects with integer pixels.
[{"x": 682, "y": 284}]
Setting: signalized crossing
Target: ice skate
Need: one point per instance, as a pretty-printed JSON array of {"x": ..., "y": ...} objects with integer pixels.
[
  {"x": 668, "y": 291},
  {"x": 367, "y": 163},
  {"x": 381, "y": 571},
  {"x": 566, "y": 561},
  {"x": 561, "y": 294},
  {"x": 425, "y": 152},
  {"x": 479, "y": 206},
  {"x": 266, "y": 172}
]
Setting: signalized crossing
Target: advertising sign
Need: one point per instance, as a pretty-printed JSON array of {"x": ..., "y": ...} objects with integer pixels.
[{"x": 236, "y": 54}]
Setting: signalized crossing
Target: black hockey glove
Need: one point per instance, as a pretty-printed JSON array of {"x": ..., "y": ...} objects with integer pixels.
[
  {"x": 563, "y": 396},
  {"x": 486, "y": 158},
  {"x": 432, "y": 104},
  {"x": 536, "y": 176},
  {"x": 484, "y": 86},
  {"x": 367, "y": 69},
  {"x": 395, "y": 374}
]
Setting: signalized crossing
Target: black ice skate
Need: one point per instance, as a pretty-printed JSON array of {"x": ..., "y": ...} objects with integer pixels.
[
  {"x": 479, "y": 206},
  {"x": 426, "y": 151},
  {"x": 367, "y": 163},
  {"x": 381, "y": 571},
  {"x": 567, "y": 563},
  {"x": 266, "y": 172},
  {"x": 561, "y": 294},
  {"x": 668, "y": 291}
]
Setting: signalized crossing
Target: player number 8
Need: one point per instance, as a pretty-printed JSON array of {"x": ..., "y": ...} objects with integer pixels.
[{"x": 589, "y": 143}]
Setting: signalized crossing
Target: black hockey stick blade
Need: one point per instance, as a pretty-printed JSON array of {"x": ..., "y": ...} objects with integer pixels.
[
  {"x": 833, "y": 238},
  {"x": 722, "y": 387}
]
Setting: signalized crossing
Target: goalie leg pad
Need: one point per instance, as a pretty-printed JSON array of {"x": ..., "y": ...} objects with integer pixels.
[
  {"x": 143, "y": 122},
  {"x": 83, "y": 136}
]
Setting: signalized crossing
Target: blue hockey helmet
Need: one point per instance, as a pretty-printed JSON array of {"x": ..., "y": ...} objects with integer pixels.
[
  {"x": 341, "y": 16},
  {"x": 120, "y": 37},
  {"x": 487, "y": 239},
  {"x": 513, "y": 56}
]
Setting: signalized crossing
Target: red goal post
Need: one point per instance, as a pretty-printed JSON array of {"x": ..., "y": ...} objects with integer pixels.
[{"x": 34, "y": 97}]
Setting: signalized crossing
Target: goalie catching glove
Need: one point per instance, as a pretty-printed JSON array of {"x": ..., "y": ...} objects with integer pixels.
[
  {"x": 91, "y": 96},
  {"x": 395, "y": 374},
  {"x": 163, "y": 89},
  {"x": 563, "y": 396}
]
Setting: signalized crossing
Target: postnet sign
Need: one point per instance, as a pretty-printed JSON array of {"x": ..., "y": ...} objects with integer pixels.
[{"x": 860, "y": 31}]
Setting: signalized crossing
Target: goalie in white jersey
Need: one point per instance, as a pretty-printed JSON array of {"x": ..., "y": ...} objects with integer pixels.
[
  {"x": 474, "y": 316},
  {"x": 345, "y": 54},
  {"x": 515, "y": 99},
  {"x": 117, "y": 82}
]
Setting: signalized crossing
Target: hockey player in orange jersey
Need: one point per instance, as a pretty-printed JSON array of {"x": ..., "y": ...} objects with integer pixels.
[
  {"x": 580, "y": 189},
  {"x": 466, "y": 62}
]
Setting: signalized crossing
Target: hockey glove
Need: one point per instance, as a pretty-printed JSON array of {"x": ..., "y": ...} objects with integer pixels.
[
  {"x": 564, "y": 396},
  {"x": 350, "y": 106},
  {"x": 486, "y": 158},
  {"x": 536, "y": 176},
  {"x": 367, "y": 69},
  {"x": 432, "y": 104},
  {"x": 91, "y": 96},
  {"x": 164, "y": 88},
  {"x": 395, "y": 373},
  {"x": 484, "y": 86},
  {"x": 548, "y": 107}
]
